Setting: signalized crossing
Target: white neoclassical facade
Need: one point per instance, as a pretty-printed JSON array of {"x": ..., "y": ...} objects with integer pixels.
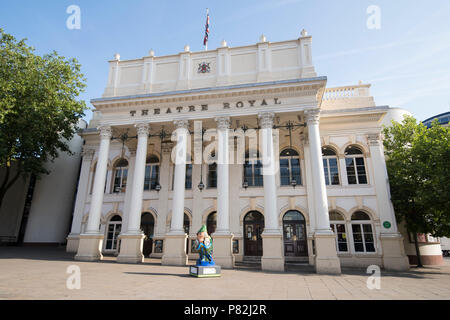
[{"x": 247, "y": 140}]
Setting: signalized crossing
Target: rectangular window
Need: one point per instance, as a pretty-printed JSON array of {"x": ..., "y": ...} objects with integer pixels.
[
  {"x": 341, "y": 237},
  {"x": 284, "y": 172},
  {"x": 295, "y": 166},
  {"x": 361, "y": 169},
  {"x": 334, "y": 171},
  {"x": 212, "y": 176},
  {"x": 351, "y": 174},
  {"x": 363, "y": 237}
]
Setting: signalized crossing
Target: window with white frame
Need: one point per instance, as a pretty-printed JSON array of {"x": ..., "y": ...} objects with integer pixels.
[
  {"x": 362, "y": 232},
  {"x": 120, "y": 175},
  {"x": 290, "y": 168},
  {"x": 355, "y": 165},
  {"x": 330, "y": 166},
  {"x": 113, "y": 231},
  {"x": 151, "y": 178},
  {"x": 337, "y": 224}
]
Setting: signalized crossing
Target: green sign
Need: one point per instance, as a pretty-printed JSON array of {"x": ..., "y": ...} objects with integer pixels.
[{"x": 387, "y": 224}]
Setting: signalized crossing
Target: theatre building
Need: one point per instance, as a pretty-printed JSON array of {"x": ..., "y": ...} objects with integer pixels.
[{"x": 246, "y": 140}]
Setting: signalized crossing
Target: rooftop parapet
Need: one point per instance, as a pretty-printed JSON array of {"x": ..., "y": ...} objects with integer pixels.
[{"x": 261, "y": 62}]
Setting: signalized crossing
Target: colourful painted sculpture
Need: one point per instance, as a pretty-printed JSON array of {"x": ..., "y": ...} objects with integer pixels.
[{"x": 204, "y": 246}]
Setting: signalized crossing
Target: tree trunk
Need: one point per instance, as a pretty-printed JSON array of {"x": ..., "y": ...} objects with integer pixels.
[{"x": 416, "y": 243}]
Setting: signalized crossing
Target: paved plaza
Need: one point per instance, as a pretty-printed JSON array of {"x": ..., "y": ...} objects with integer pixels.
[{"x": 41, "y": 273}]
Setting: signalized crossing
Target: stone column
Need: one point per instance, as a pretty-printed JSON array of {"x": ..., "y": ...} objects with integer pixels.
[
  {"x": 326, "y": 260},
  {"x": 272, "y": 258},
  {"x": 310, "y": 197},
  {"x": 90, "y": 245},
  {"x": 394, "y": 257},
  {"x": 131, "y": 241},
  {"x": 175, "y": 240},
  {"x": 223, "y": 238},
  {"x": 80, "y": 202},
  {"x": 129, "y": 188}
]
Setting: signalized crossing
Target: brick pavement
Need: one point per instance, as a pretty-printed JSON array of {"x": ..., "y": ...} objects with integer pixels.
[{"x": 40, "y": 273}]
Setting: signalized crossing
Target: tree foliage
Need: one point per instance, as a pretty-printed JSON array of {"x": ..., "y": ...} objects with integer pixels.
[
  {"x": 38, "y": 108},
  {"x": 418, "y": 164}
]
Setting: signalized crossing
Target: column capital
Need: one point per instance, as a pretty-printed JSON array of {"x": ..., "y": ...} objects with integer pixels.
[
  {"x": 223, "y": 123},
  {"x": 142, "y": 128},
  {"x": 105, "y": 131},
  {"x": 312, "y": 116},
  {"x": 266, "y": 119},
  {"x": 181, "y": 124},
  {"x": 374, "y": 139}
]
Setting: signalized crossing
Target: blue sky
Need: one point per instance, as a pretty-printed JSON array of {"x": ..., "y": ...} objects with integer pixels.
[{"x": 407, "y": 60}]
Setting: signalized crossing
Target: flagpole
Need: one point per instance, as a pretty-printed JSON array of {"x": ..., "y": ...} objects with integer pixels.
[{"x": 206, "y": 43}]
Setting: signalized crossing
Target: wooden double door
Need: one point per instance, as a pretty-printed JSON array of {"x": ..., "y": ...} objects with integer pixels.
[
  {"x": 253, "y": 228},
  {"x": 294, "y": 235}
]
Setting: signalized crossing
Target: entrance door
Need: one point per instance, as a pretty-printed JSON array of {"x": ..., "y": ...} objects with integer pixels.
[
  {"x": 253, "y": 227},
  {"x": 147, "y": 226},
  {"x": 294, "y": 234}
]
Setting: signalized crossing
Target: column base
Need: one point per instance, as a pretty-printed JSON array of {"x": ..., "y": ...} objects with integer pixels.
[
  {"x": 394, "y": 257},
  {"x": 131, "y": 248},
  {"x": 174, "y": 251},
  {"x": 90, "y": 247},
  {"x": 272, "y": 259},
  {"x": 326, "y": 259},
  {"x": 223, "y": 250},
  {"x": 73, "y": 241}
]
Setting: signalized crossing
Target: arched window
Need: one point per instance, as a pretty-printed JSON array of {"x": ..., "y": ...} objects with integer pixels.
[
  {"x": 120, "y": 175},
  {"x": 113, "y": 231},
  {"x": 362, "y": 230},
  {"x": 290, "y": 167},
  {"x": 330, "y": 166},
  {"x": 253, "y": 170},
  {"x": 354, "y": 162},
  {"x": 337, "y": 224},
  {"x": 151, "y": 173}
]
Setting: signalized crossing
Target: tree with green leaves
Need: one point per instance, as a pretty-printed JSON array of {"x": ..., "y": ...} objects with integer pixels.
[
  {"x": 38, "y": 109},
  {"x": 418, "y": 164}
]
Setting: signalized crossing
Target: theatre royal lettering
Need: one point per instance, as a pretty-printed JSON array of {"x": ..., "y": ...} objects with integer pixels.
[{"x": 204, "y": 107}]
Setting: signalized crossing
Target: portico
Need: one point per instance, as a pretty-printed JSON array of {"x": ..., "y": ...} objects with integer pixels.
[{"x": 241, "y": 148}]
